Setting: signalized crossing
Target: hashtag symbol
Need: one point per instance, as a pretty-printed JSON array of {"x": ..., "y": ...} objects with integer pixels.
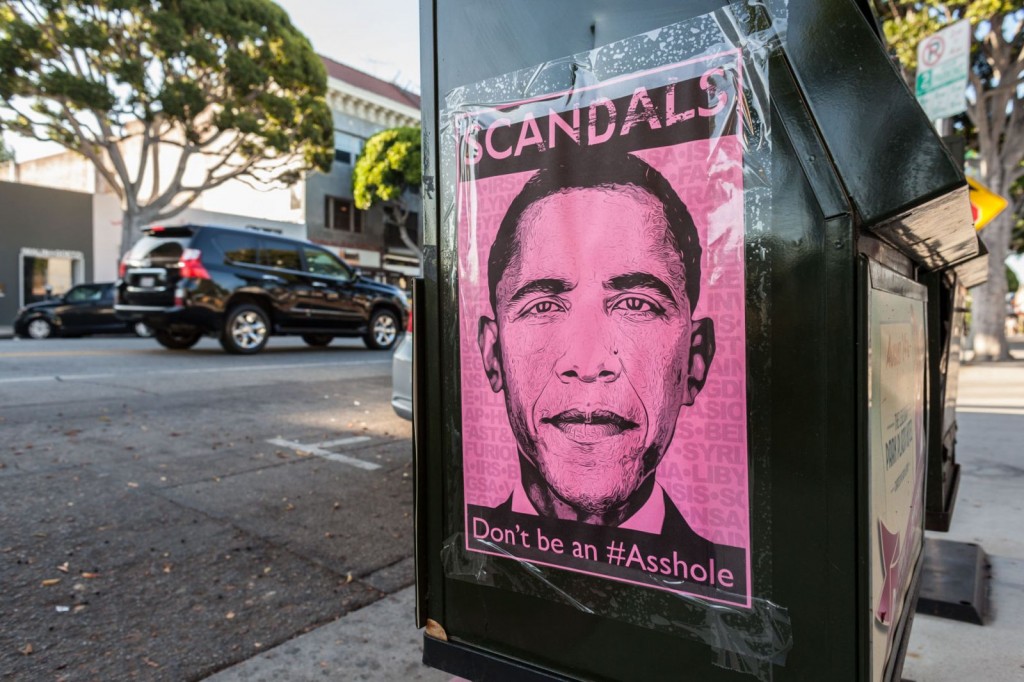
[{"x": 616, "y": 553}]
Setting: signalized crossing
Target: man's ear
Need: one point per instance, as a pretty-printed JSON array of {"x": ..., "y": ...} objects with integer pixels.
[
  {"x": 702, "y": 351},
  {"x": 490, "y": 351}
]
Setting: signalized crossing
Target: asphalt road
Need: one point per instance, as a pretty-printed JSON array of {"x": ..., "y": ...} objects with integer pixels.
[{"x": 167, "y": 514}]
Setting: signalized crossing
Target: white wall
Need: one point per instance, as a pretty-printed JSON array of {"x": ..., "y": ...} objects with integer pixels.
[{"x": 106, "y": 236}]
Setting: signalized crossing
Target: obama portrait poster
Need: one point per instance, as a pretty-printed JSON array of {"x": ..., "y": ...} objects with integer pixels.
[{"x": 602, "y": 336}]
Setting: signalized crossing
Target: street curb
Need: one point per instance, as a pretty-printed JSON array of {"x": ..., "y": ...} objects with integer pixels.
[{"x": 377, "y": 642}]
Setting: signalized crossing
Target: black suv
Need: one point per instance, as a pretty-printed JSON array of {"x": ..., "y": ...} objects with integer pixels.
[{"x": 243, "y": 286}]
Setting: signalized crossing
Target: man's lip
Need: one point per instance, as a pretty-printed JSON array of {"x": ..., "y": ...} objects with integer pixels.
[{"x": 598, "y": 418}]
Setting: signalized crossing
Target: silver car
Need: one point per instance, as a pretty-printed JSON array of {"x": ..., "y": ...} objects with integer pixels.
[{"x": 401, "y": 375}]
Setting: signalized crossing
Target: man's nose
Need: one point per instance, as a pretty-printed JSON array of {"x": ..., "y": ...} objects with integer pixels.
[{"x": 589, "y": 360}]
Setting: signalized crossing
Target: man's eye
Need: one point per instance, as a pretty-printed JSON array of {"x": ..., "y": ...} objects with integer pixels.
[
  {"x": 543, "y": 308},
  {"x": 632, "y": 304}
]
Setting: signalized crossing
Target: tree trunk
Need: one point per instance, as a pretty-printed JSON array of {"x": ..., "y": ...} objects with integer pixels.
[
  {"x": 398, "y": 215},
  {"x": 403, "y": 232},
  {"x": 129, "y": 230},
  {"x": 988, "y": 310}
]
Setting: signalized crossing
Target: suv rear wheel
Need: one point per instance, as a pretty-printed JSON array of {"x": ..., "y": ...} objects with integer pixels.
[
  {"x": 317, "y": 340},
  {"x": 177, "y": 340},
  {"x": 383, "y": 331},
  {"x": 246, "y": 330}
]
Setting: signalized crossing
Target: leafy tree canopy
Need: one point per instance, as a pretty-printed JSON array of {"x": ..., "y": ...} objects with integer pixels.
[
  {"x": 5, "y": 153},
  {"x": 389, "y": 166},
  {"x": 909, "y": 22},
  {"x": 231, "y": 79}
]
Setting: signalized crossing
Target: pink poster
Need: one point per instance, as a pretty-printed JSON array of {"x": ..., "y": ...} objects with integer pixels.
[{"x": 601, "y": 304}]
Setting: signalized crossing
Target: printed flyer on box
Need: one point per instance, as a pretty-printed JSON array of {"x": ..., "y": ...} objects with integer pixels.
[
  {"x": 601, "y": 303},
  {"x": 898, "y": 450}
]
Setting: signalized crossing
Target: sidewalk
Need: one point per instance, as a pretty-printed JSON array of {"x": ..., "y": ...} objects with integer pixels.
[
  {"x": 380, "y": 642},
  {"x": 990, "y": 450}
]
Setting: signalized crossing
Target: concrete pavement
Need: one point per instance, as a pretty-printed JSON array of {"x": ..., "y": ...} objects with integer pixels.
[
  {"x": 990, "y": 449},
  {"x": 379, "y": 642}
]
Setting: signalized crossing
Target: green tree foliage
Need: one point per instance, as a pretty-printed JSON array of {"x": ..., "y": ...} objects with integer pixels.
[
  {"x": 167, "y": 98},
  {"x": 5, "y": 153},
  {"x": 994, "y": 122},
  {"x": 1012, "y": 283},
  {"x": 389, "y": 167}
]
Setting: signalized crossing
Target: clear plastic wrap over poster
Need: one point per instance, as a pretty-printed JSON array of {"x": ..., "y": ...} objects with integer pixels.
[{"x": 600, "y": 206}]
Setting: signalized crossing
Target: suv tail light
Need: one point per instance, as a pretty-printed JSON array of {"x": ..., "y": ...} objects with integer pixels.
[
  {"x": 408, "y": 322},
  {"x": 122, "y": 267},
  {"x": 191, "y": 266}
]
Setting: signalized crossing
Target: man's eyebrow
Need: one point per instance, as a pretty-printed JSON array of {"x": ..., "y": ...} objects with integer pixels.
[
  {"x": 640, "y": 280},
  {"x": 551, "y": 285}
]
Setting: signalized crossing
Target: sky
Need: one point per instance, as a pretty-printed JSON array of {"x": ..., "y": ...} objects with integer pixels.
[{"x": 380, "y": 37}]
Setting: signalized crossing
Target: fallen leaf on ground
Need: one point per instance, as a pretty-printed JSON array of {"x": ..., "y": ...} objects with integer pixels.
[
  {"x": 50, "y": 582},
  {"x": 26, "y": 650},
  {"x": 63, "y": 568},
  {"x": 151, "y": 663},
  {"x": 230, "y": 615},
  {"x": 132, "y": 484},
  {"x": 348, "y": 578},
  {"x": 90, "y": 576},
  {"x": 168, "y": 568}
]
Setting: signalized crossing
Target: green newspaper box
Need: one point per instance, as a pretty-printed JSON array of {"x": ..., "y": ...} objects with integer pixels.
[{"x": 672, "y": 340}]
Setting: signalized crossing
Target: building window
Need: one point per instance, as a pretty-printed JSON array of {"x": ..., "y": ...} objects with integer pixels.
[
  {"x": 342, "y": 215},
  {"x": 342, "y": 157}
]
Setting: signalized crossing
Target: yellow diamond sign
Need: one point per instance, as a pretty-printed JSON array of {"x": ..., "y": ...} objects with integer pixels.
[{"x": 985, "y": 204}]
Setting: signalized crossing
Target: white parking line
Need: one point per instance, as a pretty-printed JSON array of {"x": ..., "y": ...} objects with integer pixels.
[
  {"x": 327, "y": 454},
  {"x": 196, "y": 370},
  {"x": 343, "y": 441}
]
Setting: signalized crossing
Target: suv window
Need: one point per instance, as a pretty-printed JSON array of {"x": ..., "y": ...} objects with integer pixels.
[
  {"x": 320, "y": 262},
  {"x": 236, "y": 248},
  {"x": 277, "y": 254},
  {"x": 86, "y": 292},
  {"x": 158, "y": 250}
]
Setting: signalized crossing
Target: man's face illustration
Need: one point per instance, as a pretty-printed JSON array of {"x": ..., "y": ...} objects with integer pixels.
[{"x": 593, "y": 342}]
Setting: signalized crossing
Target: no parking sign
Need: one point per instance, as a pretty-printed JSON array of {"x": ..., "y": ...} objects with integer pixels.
[{"x": 942, "y": 62}]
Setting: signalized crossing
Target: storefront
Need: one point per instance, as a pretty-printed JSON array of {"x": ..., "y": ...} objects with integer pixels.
[{"x": 46, "y": 241}]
